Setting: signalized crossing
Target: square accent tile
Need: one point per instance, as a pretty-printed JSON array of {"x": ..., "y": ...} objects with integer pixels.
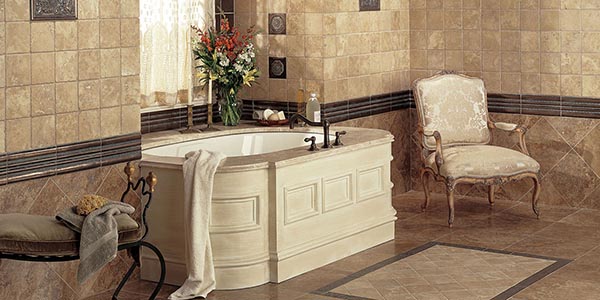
[
  {"x": 445, "y": 271},
  {"x": 277, "y": 24},
  {"x": 369, "y": 5},
  {"x": 277, "y": 67}
]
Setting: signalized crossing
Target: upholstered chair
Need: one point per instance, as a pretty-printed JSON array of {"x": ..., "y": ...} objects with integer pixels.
[{"x": 454, "y": 135}]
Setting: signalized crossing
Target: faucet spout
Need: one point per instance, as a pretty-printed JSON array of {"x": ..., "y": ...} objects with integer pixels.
[{"x": 325, "y": 123}]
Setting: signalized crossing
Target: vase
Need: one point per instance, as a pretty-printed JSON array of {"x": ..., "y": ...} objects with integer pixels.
[{"x": 230, "y": 107}]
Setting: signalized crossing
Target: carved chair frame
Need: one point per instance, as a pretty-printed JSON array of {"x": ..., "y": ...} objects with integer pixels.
[{"x": 451, "y": 182}]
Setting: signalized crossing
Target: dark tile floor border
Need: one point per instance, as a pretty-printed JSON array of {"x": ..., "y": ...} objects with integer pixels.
[{"x": 559, "y": 263}]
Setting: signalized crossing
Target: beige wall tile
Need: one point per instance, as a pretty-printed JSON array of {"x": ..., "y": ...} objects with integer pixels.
[
  {"x": 18, "y": 69},
  {"x": 2, "y": 71},
  {"x": 2, "y": 103},
  {"x": 18, "y": 37},
  {"x": 110, "y": 62},
  {"x": 18, "y": 102},
  {"x": 110, "y": 121},
  {"x": 43, "y": 131},
  {"x": 87, "y": 9},
  {"x": 109, "y": 8},
  {"x": 130, "y": 35},
  {"x": 89, "y": 94},
  {"x": 67, "y": 97},
  {"x": 130, "y": 119},
  {"x": 89, "y": 64},
  {"x": 42, "y": 67},
  {"x": 42, "y": 36},
  {"x": 2, "y": 37},
  {"x": 110, "y": 92},
  {"x": 18, "y": 134},
  {"x": 130, "y": 90},
  {"x": 66, "y": 66},
  {"x": 89, "y": 125},
  {"x": 130, "y": 61},
  {"x": 67, "y": 128},
  {"x": 88, "y": 34},
  {"x": 130, "y": 8},
  {"x": 110, "y": 33},
  {"x": 43, "y": 99},
  {"x": 66, "y": 35},
  {"x": 2, "y": 136},
  {"x": 16, "y": 10}
]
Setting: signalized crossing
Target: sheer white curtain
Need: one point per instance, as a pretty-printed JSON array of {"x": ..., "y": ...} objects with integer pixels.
[{"x": 165, "y": 48}]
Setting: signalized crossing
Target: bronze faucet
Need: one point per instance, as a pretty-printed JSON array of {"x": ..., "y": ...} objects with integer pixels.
[{"x": 324, "y": 123}]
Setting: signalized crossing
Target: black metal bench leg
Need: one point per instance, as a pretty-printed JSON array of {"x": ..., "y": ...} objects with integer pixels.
[
  {"x": 124, "y": 280},
  {"x": 163, "y": 268}
]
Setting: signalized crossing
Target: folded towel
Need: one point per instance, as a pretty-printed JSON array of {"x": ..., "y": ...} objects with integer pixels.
[
  {"x": 99, "y": 235},
  {"x": 198, "y": 175}
]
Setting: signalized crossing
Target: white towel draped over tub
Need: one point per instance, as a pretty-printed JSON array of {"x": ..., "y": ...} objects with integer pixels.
[{"x": 198, "y": 176}]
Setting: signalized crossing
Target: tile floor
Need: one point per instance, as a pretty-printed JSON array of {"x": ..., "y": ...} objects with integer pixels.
[{"x": 563, "y": 233}]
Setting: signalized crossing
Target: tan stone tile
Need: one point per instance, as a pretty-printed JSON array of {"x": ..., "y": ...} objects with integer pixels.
[
  {"x": 110, "y": 62},
  {"x": 18, "y": 134},
  {"x": 42, "y": 99},
  {"x": 110, "y": 30},
  {"x": 87, "y": 9},
  {"x": 43, "y": 130},
  {"x": 89, "y": 64},
  {"x": 16, "y": 10},
  {"x": 2, "y": 71},
  {"x": 18, "y": 69},
  {"x": 42, "y": 36},
  {"x": 67, "y": 128},
  {"x": 130, "y": 61},
  {"x": 110, "y": 92},
  {"x": 130, "y": 8},
  {"x": 67, "y": 97},
  {"x": 110, "y": 121},
  {"x": 66, "y": 66},
  {"x": 18, "y": 102},
  {"x": 89, "y": 94},
  {"x": 109, "y": 9},
  {"x": 66, "y": 35},
  {"x": 88, "y": 34},
  {"x": 130, "y": 36},
  {"x": 89, "y": 125},
  {"x": 130, "y": 90},
  {"x": 130, "y": 119},
  {"x": 42, "y": 68}
]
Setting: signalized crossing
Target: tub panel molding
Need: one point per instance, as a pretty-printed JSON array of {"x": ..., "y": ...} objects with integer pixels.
[
  {"x": 231, "y": 215},
  {"x": 370, "y": 182},
  {"x": 301, "y": 201},
  {"x": 338, "y": 191}
]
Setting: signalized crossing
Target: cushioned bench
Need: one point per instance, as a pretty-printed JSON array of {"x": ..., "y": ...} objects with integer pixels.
[{"x": 43, "y": 238}]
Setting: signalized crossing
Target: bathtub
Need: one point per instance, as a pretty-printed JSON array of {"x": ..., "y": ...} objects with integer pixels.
[{"x": 278, "y": 210}]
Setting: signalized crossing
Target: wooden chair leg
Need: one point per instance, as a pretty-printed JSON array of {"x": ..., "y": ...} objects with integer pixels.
[
  {"x": 450, "y": 196},
  {"x": 425, "y": 181},
  {"x": 536, "y": 194},
  {"x": 491, "y": 191}
]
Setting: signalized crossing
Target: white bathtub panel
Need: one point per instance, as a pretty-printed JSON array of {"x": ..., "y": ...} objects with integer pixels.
[
  {"x": 338, "y": 191},
  {"x": 301, "y": 201}
]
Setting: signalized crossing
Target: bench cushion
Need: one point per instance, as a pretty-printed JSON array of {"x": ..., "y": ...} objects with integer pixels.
[{"x": 44, "y": 235}]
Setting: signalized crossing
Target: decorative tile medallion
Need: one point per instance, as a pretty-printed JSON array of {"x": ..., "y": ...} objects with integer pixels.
[
  {"x": 445, "y": 271},
  {"x": 277, "y": 24},
  {"x": 53, "y": 10},
  {"x": 369, "y": 5},
  {"x": 277, "y": 67}
]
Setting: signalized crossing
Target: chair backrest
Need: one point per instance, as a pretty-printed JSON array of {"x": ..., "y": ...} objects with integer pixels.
[{"x": 456, "y": 106}]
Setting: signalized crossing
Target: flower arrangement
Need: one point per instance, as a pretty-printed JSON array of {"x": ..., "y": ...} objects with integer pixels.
[{"x": 227, "y": 58}]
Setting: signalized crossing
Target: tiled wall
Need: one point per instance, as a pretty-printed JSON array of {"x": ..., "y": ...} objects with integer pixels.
[
  {"x": 68, "y": 81},
  {"x": 65, "y": 82},
  {"x": 527, "y": 47},
  {"x": 548, "y": 47},
  {"x": 331, "y": 48}
]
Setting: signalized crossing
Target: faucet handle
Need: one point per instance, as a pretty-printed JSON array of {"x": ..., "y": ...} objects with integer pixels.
[
  {"x": 338, "y": 138},
  {"x": 313, "y": 144}
]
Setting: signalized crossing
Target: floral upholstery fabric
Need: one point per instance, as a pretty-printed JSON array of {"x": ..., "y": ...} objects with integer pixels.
[
  {"x": 454, "y": 105},
  {"x": 482, "y": 161}
]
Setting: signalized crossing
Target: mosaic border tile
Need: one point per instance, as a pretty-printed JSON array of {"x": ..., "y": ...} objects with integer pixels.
[
  {"x": 66, "y": 158},
  {"x": 559, "y": 263}
]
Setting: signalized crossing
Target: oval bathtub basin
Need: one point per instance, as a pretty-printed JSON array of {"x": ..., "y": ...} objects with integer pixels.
[
  {"x": 239, "y": 144},
  {"x": 278, "y": 210}
]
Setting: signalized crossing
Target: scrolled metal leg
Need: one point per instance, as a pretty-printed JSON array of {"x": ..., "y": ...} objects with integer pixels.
[
  {"x": 450, "y": 196},
  {"x": 536, "y": 194},
  {"x": 163, "y": 268},
  {"x": 425, "y": 181},
  {"x": 491, "y": 191},
  {"x": 124, "y": 280}
]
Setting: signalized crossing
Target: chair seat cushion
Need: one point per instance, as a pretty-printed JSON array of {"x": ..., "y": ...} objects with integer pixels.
[
  {"x": 44, "y": 235},
  {"x": 483, "y": 161}
]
